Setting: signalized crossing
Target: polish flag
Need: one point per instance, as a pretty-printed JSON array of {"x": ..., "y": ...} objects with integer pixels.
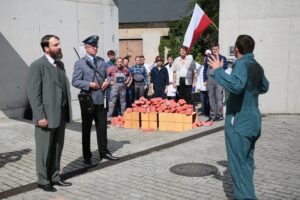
[{"x": 199, "y": 22}]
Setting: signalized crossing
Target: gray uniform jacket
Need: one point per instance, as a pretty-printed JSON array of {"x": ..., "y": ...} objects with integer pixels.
[
  {"x": 83, "y": 75},
  {"x": 45, "y": 92}
]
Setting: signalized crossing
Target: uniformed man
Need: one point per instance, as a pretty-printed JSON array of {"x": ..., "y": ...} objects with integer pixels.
[
  {"x": 160, "y": 79},
  {"x": 49, "y": 96},
  {"x": 243, "y": 119},
  {"x": 90, "y": 75},
  {"x": 119, "y": 77}
]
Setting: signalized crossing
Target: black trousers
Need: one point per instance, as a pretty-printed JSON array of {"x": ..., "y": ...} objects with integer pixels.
[
  {"x": 184, "y": 91},
  {"x": 100, "y": 117}
]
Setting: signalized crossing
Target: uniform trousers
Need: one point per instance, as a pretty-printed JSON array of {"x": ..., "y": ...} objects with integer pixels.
[{"x": 99, "y": 115}]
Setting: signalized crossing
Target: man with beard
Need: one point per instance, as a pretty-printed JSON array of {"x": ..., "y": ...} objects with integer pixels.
[
  {"x": 90, "y": 76},
  {"x": 49, "y": 96}
]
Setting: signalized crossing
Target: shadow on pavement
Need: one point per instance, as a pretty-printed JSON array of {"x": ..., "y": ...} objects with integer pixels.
[
  {"x": 12, "y": 156},
  {"x": 226, "y": 179},
  {"x": 77, "y": 164}
]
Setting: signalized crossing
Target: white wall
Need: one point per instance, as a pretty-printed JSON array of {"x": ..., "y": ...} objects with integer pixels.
[
  {"x": 24, "y": 23},
  {"x": 275, "y": 27}
]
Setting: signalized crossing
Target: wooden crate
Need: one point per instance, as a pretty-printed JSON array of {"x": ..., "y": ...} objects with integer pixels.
[
  {"x": 164, "y": 117},
  {"x": 127, "y": 124},
  {"x": 127, "y": 116},
  {"x": 135, "y": 116},
  {"x": 153, "y": 124},
  {"x": 145, "y": 116},
  {"x": 153, "y": 116},
  {"x": 135, "y": 124},
  {"x": 189, "y": 118},
  {"x": 163, "y": 126},
  {"x": 176, "y": 127},
  {"x": 145, "y": 124}
]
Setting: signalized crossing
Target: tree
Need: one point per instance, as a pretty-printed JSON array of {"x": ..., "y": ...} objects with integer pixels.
[{"x": 178, "y": 28}]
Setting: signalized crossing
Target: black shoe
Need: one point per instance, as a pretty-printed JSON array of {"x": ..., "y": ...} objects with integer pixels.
[
  {"x": 218, "y": 119},
  {"x": 210, "y": 119},
  {"x": 88, "y": 162},
  {"x": 62, "y": 183},
  {"x": 47, "y": 188},
  {"x": 108, "y": 157}
]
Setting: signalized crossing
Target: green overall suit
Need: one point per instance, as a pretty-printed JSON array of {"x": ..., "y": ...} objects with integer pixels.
[{"x": 243, "y": 120}]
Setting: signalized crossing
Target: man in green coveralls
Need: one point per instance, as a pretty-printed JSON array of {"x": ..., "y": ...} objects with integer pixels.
[{"x": 243, "y": 118}]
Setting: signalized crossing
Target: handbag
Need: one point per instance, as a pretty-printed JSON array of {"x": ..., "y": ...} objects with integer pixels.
[{"x": 86, "y": 102}]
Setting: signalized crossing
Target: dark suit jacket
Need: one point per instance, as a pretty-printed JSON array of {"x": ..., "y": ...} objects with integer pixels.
[{"x": 45, "y": 92}]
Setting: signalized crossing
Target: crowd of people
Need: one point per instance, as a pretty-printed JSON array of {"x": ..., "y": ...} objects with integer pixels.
[{"x": 179, "y": 78}]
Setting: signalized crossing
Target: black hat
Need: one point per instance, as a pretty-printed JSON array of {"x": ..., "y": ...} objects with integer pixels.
[{"x": 92, "y": 40}]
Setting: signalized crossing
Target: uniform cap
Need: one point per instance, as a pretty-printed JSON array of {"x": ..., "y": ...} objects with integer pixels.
[{"x": 92, "y": 40}]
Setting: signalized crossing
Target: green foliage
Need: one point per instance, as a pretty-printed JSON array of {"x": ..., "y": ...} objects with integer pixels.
[{"x": 177, "y": 31}]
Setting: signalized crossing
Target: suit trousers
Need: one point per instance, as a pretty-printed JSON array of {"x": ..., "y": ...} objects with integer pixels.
[
  {"x": 49, "y": 146},
  {"x": 100, "y": 117}
]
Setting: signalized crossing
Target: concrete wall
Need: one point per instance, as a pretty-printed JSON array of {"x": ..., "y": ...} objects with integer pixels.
[
  {"x": 275, "y": 27},
  {"x": 151, "y": 39},
  {"x": 23, "y": 23}
]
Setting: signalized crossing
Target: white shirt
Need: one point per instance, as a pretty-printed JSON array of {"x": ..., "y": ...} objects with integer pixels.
[
  {"x": 199, "y": 82},
  {"x": 171, "y": 89},
  {"x": 50, "y": 59},
  {"x": 148, "y": 67}
]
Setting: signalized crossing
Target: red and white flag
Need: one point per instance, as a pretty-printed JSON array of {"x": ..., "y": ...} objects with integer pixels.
[{"x": 199, "y": 22}]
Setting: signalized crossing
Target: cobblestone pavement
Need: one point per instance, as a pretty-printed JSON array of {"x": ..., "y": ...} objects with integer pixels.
[
  {"x": 17, "y": 148},
  {"x": 277, "y": 161}
]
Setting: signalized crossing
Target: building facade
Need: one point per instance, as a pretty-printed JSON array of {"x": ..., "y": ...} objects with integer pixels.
[
  {"x": 24, "y": 23},
  {"x": 275, "y": 27}
]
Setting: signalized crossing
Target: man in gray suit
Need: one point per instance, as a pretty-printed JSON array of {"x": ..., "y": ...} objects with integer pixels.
[
  {"x": 90, "y": 76},
  {"x": 49, "y": 96}
]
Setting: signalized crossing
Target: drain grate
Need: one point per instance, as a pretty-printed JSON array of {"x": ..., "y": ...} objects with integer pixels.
[{"x": 194, "y": 169}]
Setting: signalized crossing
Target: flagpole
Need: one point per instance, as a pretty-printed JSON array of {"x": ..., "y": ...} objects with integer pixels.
[{"x": 214, "y": 25}]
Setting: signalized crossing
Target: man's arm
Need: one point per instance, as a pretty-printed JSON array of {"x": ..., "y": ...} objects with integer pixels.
[
  {"x": 265, "y": 85},
  {"x": 234, "y": 83},
  {"x": 34, "y": 92},
  {"x": 77, "y": 78}
]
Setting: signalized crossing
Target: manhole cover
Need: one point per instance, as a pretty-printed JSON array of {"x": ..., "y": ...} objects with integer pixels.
[{"x": 194, "y": 169}]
